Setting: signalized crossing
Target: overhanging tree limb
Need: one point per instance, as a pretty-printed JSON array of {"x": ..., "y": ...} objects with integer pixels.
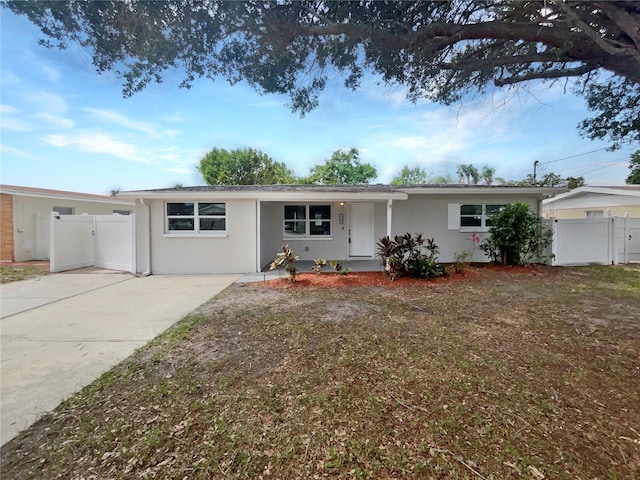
[{"x": 569, "y": 72}]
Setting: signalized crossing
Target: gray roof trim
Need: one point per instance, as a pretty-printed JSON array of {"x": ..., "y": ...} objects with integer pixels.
[
  {"x": 276, "y": 192},
  {"x": 333, "y": 192},
  {"x": 21, "y": 191},
  {"x": 541, "y": 192}
]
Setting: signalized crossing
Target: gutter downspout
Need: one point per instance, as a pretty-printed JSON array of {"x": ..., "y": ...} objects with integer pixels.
[
  {"x": 389, "y": 216},
  {"x": 258, "y": 235},
  {"x": 147, "y": 272}
]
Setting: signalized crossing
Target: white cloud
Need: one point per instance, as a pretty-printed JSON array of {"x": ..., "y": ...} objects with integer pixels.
[
  {"x": 13, "y": 151},
  {"x": 266, "y": 104},
  {"x": 8, "y": 109},
  {"x": 55, "y": 120},
  {"x": 11, "y": 123},
  {"x": 48, "y": 102},
  {"x": 98, "y": 143},
  {"x": 117, "y": 118},
  {"x": 171, "y": 134},
  {"x": 15, "y": 125},
  {"x": 180, "y": 170},
  {"x": 52, "y": 73}
]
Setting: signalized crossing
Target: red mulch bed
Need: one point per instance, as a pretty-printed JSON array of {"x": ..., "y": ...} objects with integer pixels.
[{"x": 366, "y": 279}]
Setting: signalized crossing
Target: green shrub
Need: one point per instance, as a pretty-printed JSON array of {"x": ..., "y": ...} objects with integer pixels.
[
  {"x": 516, "y": 236},
  {"x": 410, "y": 255}
]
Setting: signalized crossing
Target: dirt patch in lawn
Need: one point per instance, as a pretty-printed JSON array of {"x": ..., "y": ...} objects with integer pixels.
[{"x": 497, "y": 374}]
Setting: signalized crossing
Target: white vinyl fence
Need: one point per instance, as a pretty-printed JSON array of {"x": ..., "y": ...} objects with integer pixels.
[
  {"x": 103, "y": 241},
  {"x": 602, "y": 241}
]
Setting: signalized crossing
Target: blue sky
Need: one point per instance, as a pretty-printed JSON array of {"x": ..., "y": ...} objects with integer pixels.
[{"x": 65, "y": 127}]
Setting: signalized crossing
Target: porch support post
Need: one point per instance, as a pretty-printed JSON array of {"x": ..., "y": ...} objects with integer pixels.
[
  {"x": 389, "y": 216},
  {"x": 258, "y": 237}
]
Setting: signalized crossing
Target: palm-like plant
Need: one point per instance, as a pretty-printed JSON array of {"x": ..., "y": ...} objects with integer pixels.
[{"x": 487, "y": 174}]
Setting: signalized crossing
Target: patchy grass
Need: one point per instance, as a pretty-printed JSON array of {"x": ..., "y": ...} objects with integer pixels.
[
  {"x": 16, "y": 273},
  {"x": 504, "y": 374}
]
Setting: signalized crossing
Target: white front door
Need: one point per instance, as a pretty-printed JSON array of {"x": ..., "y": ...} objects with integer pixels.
[{"x": 361, "y": 240}]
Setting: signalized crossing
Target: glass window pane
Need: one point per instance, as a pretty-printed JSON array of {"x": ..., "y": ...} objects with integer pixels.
[
  {"x": 324, "y": 228},
  {"x": 494, "y": 209},
  {"x": 471, "y": 210},
  {"x": 294, "y": 228},
  {"x": 295, "y": 212},
  {"x": 470, "y": 221},
  {"x": 181, "y": 224},
  {"x": 174, "y": 209},
  {"x": 218, "y": 224},
  {"x": 63, "y": 210},
  {"x": 211, "y": 208},
  {"x": 320, "y": 212}
]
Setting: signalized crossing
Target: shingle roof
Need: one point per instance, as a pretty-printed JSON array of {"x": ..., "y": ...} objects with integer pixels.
[
  {"x": 370, "y": 188},
  {"x": 278, "y": 188}
]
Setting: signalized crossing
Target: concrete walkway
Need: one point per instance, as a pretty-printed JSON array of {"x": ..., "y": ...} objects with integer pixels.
[{"x": 74, "y": 327}]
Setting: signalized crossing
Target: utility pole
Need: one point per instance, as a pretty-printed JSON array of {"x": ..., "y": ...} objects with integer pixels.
[{"x": 535, "y": 169}]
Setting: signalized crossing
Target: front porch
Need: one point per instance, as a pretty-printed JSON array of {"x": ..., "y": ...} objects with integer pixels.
[{"x": 335, "y": 230}]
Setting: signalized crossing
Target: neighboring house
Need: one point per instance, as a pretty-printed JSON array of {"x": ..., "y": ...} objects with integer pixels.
[
  {"x": 593, "y": 202},
  {"x": 25, "y": 217},
  {"x": 239, "y": 229}
]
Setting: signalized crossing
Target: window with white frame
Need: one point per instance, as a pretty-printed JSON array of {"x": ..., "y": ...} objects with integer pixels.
[
  {"x": 594, "y": 213},
  {"x": 307, "y": 221},
  {"x": 477, "y": 216},
  {"x": 196, "y": 217},
  {"x": 64, "y": 210}
]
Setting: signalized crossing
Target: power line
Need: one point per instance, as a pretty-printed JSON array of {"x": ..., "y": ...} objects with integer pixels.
[
  {"x": 608, "y": 163},
  {"x": 600, "y": 168},
  {"x": 574, "y": 156}
]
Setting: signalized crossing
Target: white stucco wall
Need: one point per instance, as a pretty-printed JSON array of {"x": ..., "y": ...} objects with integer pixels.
[
  {"x": 26, "y": 209},
  {"x": 429, "y": 215},
  {"x": 201, "y": 255}
]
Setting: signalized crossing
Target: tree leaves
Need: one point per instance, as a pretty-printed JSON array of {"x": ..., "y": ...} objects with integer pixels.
[
  {"x": 242, "y": 167},
  {"x": 342, "y": 168}
]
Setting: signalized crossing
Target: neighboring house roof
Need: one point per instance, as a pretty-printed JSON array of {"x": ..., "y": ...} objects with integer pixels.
[
  {"x": 623, "y": 190},
  {"x": 62, "y": 195},
  {"x": 332, "y": 192}
]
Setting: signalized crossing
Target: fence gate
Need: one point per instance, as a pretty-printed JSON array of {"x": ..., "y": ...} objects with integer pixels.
[
  {"x": 104, "y": 241},
  {"x": 603, "y": 241},
  {"x": 627, "y": 239},
  {"x": 115, "y": 242}
]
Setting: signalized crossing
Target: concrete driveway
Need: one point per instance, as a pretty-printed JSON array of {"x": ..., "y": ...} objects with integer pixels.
[{"x": 62, "y": 331}]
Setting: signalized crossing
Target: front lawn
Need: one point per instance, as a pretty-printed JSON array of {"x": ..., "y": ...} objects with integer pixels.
[{"x": 502, "y": 374}]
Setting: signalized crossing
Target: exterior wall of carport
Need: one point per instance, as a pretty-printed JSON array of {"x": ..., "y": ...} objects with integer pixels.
[
  {"x": 428, "y": 214},
  {"x": 336, "y": 248},
  {"x": 610, "y": 205},
  {"x": 194, "y": 254},
  {"x": 26, "y": 208}
]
